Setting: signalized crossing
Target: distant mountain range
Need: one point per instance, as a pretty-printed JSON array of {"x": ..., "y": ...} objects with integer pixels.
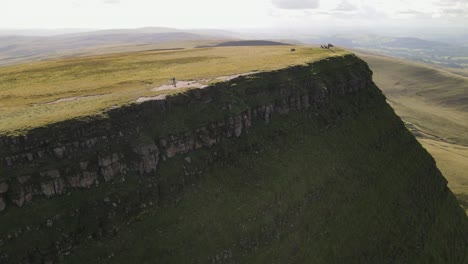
[{"x": 19, "y": 48}]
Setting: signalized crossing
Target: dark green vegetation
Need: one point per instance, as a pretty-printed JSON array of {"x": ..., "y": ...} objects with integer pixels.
[
  {"x": 297, "y": 191},
  {"x": 342, "y": 182},
  {"x": 433, "y": 103}
]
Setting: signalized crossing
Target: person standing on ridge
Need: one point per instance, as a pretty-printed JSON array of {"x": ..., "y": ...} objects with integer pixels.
[{"x": 174, "y": 82}]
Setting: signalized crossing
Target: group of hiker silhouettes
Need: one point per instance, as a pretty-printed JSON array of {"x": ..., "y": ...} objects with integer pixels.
[{"x": 327, "y": 46}]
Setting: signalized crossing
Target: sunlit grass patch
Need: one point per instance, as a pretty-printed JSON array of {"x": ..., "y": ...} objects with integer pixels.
[{"x": 89, "y": 85}]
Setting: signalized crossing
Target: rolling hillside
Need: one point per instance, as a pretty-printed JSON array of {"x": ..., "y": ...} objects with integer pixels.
[
  {"x": 15, "y": 49},
  {"x": 434, "y": 105}
]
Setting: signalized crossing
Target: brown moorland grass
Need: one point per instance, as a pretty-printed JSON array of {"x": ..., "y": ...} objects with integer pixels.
[
  {"x": 103, "y": 81},
  {"x": 433, "y": 102}
]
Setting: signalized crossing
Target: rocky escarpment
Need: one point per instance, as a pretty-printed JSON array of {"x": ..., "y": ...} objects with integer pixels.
[
  {"x": 304, "y": 164},
  {"x": 134, "y": 139}
]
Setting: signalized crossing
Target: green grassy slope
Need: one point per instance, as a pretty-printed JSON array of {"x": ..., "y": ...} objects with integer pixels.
[
  {"x": 362, "y": 191},
  {"x": 346, "y": 185},
  {"x": 410, "y": 79},
  {"x": 29, "y": 93},
  {"x": 434, "y": 104}
]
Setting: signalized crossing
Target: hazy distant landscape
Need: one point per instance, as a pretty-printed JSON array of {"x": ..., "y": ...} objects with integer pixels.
[
  {"x": 438, "y": 53},
  {"x": 24, "y": 45},
  {"x": 19, "y": 48}
]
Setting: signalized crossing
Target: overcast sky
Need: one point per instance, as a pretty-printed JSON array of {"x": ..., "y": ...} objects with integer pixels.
[{"x": 233, "y": 14}]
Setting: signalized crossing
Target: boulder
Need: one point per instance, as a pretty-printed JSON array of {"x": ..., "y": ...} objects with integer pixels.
[{"x": 3, "y": 187}]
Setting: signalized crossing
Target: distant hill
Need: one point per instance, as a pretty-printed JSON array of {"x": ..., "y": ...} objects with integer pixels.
[
  {"x": 415, "y": 43},
  {"x": 41, "y": 32},
  {"x": 434, "y": 105},
  {"x": 17, "y": 48},
  {"x": 246, "y": 43},
  {"x": 407, "y": 79},
  {"x": 372, "y": 40}
]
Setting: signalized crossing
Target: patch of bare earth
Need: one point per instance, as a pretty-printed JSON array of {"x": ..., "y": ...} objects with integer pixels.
[{"x": 166, "y": 87}]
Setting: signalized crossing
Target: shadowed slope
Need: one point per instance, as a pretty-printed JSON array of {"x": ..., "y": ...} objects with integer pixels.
[
  {"x": 433, "y": 103},
  {"x": 360, "y": 191}
]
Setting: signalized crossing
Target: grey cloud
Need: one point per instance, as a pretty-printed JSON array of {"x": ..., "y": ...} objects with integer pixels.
[
  {"x": 296, "y": 4},
  {"x": 453, "y": 8},
  {"x": 346, "y": 6}
]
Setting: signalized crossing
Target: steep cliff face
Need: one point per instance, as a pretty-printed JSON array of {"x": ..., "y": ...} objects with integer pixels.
[
  {"x": 51, "y": 161},
  {"x": 303, "y": 163}
]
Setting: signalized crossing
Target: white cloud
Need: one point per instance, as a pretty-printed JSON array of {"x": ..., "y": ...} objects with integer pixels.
[
  {"x": 112, "y": 1},
  {"x": 449, "y": 2},
  {"x": 229, "y": 14},
  {"x": 296, "y": 4}
]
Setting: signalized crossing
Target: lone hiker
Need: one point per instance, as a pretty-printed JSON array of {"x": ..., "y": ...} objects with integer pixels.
[{"x": 174, "y": 82}]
